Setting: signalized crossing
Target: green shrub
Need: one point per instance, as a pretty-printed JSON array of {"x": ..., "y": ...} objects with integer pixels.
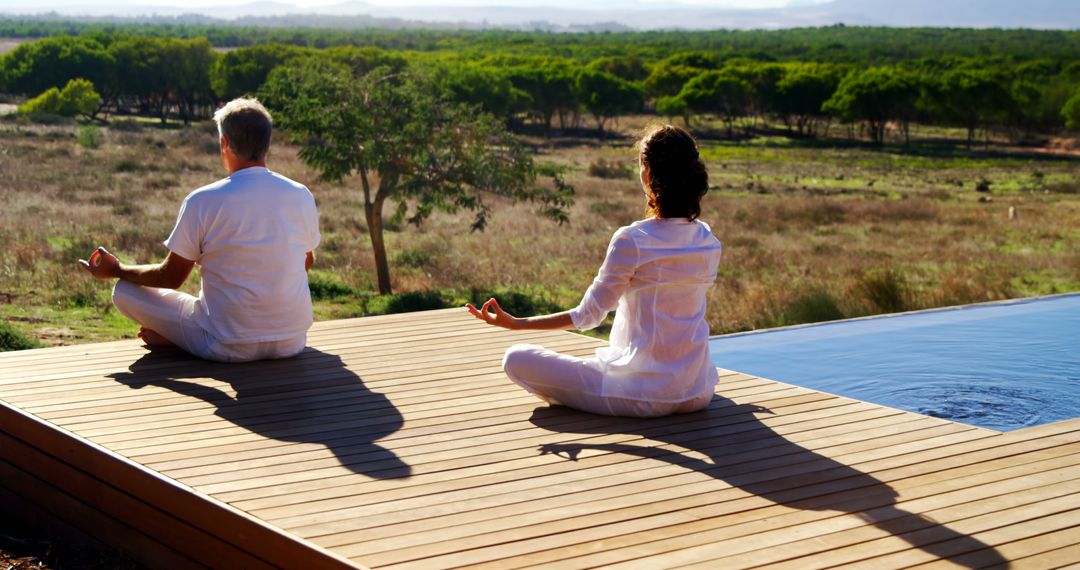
[
  {"x": 516, "y": 302},
  {"x": 414, "y": 257},
  {"x": 87, "y": 136},
  {"x": 76, "y": 98},
  {"x": 323, "y": 288},
  {"x": 12, "y": 339},
  {"x": 407, "y": 302},
  {"x": 814, "y": 306},
  {"x": 886, "y": 289}
]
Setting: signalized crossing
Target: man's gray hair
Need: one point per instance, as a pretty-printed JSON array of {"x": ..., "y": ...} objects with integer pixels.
[{"x": 247, "y": 126}]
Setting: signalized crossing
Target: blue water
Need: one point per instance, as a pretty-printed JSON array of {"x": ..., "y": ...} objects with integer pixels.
[{"x": 1001, "y": 366}]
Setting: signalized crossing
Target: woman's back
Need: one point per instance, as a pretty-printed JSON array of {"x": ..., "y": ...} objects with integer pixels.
[{"x": 659, "y": 341}]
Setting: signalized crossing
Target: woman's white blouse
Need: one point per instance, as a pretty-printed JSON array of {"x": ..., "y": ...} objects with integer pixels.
[{"x": 655, "y": 277}]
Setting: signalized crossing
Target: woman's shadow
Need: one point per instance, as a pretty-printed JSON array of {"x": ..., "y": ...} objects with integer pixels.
[
  {"x": 310, "y": 398},
  {"x": 747, "y": 454}
]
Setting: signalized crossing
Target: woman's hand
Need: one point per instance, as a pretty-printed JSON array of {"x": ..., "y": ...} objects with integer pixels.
[{"x": 492, "y": 314}]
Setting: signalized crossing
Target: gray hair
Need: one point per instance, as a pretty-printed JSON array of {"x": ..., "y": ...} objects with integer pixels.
[{"x": 247, "y": 126}]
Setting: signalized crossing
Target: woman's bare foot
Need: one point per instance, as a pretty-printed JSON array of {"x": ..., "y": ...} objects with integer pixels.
[{"x": 152, "y": 338}]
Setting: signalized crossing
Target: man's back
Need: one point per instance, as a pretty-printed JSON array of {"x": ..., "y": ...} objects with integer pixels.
[{"x": 250, "y": 233}]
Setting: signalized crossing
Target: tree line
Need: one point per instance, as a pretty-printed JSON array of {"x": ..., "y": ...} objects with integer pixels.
[{"x": 185, "y": 78}]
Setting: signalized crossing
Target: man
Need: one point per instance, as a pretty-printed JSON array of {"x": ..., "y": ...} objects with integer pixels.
[{"x": 253, "y": 235}]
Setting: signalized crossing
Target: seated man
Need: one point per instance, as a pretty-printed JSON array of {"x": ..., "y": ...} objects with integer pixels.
[{"x": 252, "y": 234}]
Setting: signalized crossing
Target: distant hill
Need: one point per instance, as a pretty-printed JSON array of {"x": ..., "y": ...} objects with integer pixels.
[{"x": 601, "y": 15}]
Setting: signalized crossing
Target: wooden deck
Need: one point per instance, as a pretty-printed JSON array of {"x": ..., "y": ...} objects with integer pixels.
[{"x": 397, "y": 442}]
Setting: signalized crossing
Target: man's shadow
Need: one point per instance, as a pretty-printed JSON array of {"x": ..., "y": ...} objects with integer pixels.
[
  {"x": 310, "y": 398},
  {"x": 747, "y": 454}
]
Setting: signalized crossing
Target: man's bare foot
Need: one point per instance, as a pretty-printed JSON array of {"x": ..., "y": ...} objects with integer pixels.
[{"x": 152, "y": 338}]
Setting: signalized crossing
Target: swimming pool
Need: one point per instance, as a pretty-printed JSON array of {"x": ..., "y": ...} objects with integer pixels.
[{"x": 1000, "y": 366}]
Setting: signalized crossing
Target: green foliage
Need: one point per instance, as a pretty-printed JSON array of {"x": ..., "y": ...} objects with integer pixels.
[
  {"x": 408, "y": 302},
  {"x": 605, "y": 95},
  {"x": 12, "y": 339},
  {"x": 476, "y": 84},
  {"x": 629, "y": 67},
  {"x": 548, "y": 87},
  {"x": 973, "y": 99},
  {"x": 517, "y": 302},
  {"x": 1014, "y": 79},
  {"x": 886, "y": 289},
  {"x": 1071, "y": 112},
  {"x": 324, "y": 287},
  {"x": 87, "y": 136},
  {"x": 668, "y": 80},
  {"x": 76, "y": 98},
  {"x": 53, "y": 62},
  {"x": 813, "y": 306},
  {"x": 718, "y": 92},
  {"x": 803, "y": 90},
  {"x": 673, "y": 106},
  {"x": 876, "y": 96},
  {"x": 243, "y": 71}
]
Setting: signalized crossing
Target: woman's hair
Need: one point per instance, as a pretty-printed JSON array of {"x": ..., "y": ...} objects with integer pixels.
[{"x": 673, "y": 173}]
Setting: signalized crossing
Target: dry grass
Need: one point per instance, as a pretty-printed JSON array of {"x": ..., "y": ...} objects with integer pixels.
[{"x": 806, "y": 233}]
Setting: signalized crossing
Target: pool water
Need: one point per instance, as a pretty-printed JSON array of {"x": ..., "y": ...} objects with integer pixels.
[{"x": 1001, "y": 366}]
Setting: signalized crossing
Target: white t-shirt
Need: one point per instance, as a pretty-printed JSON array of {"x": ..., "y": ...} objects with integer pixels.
[
  {"x": 656, "y": 274},
  {"x": 250, "y": 234}
]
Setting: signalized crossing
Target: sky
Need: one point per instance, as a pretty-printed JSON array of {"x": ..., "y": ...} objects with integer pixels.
[{"x": 21, "y": 5}]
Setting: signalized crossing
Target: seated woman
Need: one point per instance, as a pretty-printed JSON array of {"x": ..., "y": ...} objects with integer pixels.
[{"x": 655, "y": 277}]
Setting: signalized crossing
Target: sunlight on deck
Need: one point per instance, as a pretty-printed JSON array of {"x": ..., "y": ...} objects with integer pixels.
[{"x": 393, "y": 444}]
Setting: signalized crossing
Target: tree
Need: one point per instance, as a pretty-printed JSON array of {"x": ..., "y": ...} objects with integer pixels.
[
  {"x": 877, "y": 95},
  {"x": 673, "y": 106},
  {"x": 52, "y": 62},
  {"x": 629, "y": 67},
  {"x": 606, "y": 96},
  {"x": 666, "y": 80},
  {"x": 973, "y": 99},
  {"x": 762, "y": 79},
  {"x": 718, "y": 92},
  {"x": 425, "y": 152},
  {"x": 187, "y": 65},
  {"x": 549, "y": 89},
  {"x": 1071, "y": 112},
  {"x": 243, "y": 71},
  {"x": 801, "y": 93},
  {"x": 76, "y": 98},
  {"x": 479, "y": 84}
]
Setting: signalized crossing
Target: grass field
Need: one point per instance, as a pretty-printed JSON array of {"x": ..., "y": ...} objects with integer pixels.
[{"x": 811, "y": 231}]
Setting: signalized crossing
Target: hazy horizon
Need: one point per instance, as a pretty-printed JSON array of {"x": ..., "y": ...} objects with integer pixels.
[{"x": 599, "y": 14}]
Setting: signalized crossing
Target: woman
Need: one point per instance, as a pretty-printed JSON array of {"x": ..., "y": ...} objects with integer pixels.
[{"x": 655, "y": 276}]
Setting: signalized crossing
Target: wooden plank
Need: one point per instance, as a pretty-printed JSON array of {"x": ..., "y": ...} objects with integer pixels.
[
  {"x": 993, "y": 530},
  {"x": 517, "y": 542},
  {"x": 197, "y": 510},
  {"x": 501, "y": 500},
  {"x": 898, "y": 529},
  {"x": 31, "y": 493},
  {"x": 314, "y": 451}
]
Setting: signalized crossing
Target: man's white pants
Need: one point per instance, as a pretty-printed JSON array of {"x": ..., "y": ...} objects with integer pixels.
[
  {"x": 577, "y": 382},
  {"x": 170, "y": 313}
]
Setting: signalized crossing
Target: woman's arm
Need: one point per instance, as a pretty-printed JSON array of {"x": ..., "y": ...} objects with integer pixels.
[{"x": 492, "y": 314}]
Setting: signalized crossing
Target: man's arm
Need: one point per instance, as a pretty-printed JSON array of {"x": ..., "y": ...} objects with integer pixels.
[
  {"x": 309, "y": 260},
  {"x": 169, "y": 274}
]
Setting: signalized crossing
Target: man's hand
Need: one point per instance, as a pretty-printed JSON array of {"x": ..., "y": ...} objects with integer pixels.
[{"x": 102, "y": 264}]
